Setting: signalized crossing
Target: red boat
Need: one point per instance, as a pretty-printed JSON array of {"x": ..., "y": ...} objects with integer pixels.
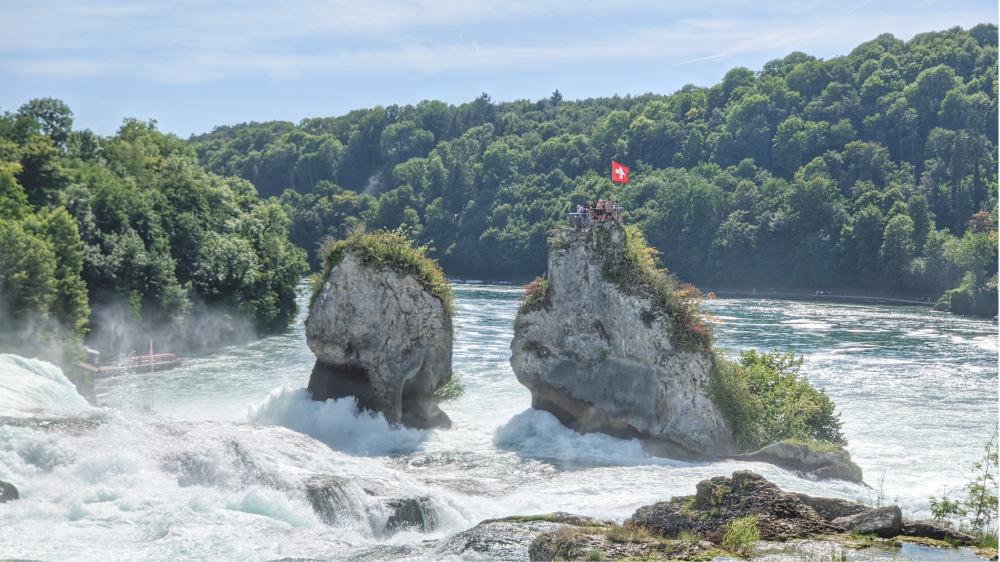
[{"x": 157, "y": 362}]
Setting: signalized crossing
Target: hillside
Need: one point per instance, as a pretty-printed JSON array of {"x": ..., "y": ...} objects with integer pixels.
[
  {"x": 116, "y": 241},
  {"x": 874, "y": 171}
]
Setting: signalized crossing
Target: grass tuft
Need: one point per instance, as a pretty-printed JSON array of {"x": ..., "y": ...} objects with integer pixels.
[
  {"x": 386, "y": 248},
  {"x": 986, "y": 541},
  {"x": 450, "y": 391},
  {"x": 743, "y": 535},
  {"x": 689, "y": 536}
]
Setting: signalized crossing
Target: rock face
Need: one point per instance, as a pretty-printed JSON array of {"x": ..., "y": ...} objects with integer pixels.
[
  {"x": 8, "y": 492},
  {"x": 602, "y": 360},
  {"x": 886, "y": 522},
  {"x": 511, "y": 538},
  {"x": 801, "y": 457},
  {"x": 383, "y": 339},
  {"x": 783, "y": 515},
  {"x": 832, "y": 508},
  {"x": 589, "y": 543},
  {"x": 338, "y": 500},
  {"x": 720, "y": 500},
  {"x": 936, "y": 530}
]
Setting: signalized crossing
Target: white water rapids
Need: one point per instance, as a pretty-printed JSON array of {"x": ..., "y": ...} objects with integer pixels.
[{"x": 218, "y": 472}]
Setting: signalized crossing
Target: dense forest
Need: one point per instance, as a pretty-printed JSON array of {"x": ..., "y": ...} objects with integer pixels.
[
  {"x": 126, "y": 238},
  {"x": 873, "y": 172}
]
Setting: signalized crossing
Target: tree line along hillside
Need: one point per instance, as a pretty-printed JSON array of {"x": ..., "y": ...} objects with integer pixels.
[
  {"x": 875, "y": 171},
  {"x": 126, "y": 238}
]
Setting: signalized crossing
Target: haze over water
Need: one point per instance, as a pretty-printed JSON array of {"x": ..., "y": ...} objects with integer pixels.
[{"x": 917, "y": 392}]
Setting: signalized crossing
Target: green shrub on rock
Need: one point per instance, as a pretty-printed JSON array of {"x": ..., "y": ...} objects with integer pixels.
[{"x": 765, "y": 400}]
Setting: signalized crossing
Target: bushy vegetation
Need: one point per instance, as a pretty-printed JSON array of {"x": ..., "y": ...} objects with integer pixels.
[
  {"x": 975, "y": 511},
  {"x": 125, "y": 238},
  {"x": 43, "y": 299},
  {"x": 536, "y": 295},
  {"x": 862, "y": 172},
  {"x": 392, "y": 249},
  {"x": 765, "y": 400}
]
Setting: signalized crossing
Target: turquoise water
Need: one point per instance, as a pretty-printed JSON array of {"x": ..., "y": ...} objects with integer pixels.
[{"x": 917, "y": 392}]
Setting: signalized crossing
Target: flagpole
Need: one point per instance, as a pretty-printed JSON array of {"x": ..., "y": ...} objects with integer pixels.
[{"x": 152, "y": 379}]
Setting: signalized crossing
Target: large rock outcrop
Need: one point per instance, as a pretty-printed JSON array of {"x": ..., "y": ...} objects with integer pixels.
[
  {"x": 720, "y": 500},
  {"x": 383, "y": 338},
  {"x": 603, "y": 360}
]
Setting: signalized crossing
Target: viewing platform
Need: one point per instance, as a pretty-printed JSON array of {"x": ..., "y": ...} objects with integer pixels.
[{"x": 586, "y": 220}]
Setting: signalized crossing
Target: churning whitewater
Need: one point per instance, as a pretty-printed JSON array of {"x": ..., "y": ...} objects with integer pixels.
[{"x": 229, "y": 465}]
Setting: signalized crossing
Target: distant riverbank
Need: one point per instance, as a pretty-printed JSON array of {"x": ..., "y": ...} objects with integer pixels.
[
  {"x": 825, "y": 296},
  {"x": 786, "y": 295}
]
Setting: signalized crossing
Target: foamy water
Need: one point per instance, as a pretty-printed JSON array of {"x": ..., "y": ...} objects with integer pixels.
[
  {"x": 30, "y": 384},
  {"x": 219, "y": 472}
]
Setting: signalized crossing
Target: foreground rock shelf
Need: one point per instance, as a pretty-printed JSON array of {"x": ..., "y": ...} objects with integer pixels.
[{"x": 792, "y": 526}]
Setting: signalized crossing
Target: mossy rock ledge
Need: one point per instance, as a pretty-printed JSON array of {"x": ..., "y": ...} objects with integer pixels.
[
  {"x": 604, "y": 359},
  {"x": 817, "y": 460},
  {"x": 694, "y": 527},
  {"x": 382, "y": 337}
]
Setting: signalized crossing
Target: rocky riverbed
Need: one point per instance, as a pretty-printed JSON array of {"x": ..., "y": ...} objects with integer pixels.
[{"x": 790, "y": 525}]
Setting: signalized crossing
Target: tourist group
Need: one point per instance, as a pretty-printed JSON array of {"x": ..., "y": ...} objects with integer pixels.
[{"x": 602, "y": 211}]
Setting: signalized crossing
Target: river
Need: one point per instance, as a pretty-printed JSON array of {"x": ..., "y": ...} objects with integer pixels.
[{"x": 917, "y": 392}]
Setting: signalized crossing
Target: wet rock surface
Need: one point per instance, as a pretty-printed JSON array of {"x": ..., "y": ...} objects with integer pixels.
[
  {"x": 339, "y": 500},
  {"x": 382, "y": 338},
  {"x": 602, "y": 360},
  {"x": 8, "y": 492},
  {"x": 606, "y": 543},
  {"x": 67, "y": 426},
  {"x": 801, "y": 457},
  {"x": 936, "y": 530},
  {"x": 886, "y": 522},
  {"x": 832, "y": 508},
  {"x": 498, "y": 539}
]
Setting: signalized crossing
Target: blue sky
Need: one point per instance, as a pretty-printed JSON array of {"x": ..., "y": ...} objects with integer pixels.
[{"x": 192, "y": 65}]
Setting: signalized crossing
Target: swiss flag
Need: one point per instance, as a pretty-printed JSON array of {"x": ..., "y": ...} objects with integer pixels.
[{"x": 619, "y": 173}]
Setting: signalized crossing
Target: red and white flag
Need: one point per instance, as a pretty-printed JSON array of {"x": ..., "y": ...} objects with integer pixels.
[{"x": 619, "y": 173}]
